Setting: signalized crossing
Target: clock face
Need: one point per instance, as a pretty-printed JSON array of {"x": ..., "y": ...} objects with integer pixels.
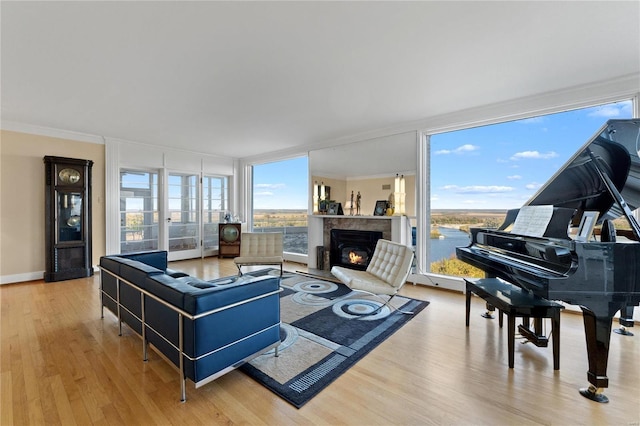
[
  {"x": 69, "y": 175},
  {"x": 230, "y": 233}
]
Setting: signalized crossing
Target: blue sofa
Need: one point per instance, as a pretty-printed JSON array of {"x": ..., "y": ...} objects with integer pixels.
[{"x": 205, "y": 328}]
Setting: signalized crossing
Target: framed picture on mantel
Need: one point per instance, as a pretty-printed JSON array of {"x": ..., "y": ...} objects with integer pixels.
[
  {"x": 335, "y": 208},
  {"x": 381, "y": 208}
]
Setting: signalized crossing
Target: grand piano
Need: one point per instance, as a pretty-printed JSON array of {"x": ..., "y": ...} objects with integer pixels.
[{"x": 558, "y": 258}]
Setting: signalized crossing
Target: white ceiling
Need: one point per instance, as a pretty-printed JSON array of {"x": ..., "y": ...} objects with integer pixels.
[{"x": 245, "y": 78}]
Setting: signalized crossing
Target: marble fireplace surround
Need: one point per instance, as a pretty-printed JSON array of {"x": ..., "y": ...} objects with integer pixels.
[{"x": 393, "y": 228}]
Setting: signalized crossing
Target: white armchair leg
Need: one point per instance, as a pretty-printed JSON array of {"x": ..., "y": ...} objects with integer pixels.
[{"x": 386, "y": 302}]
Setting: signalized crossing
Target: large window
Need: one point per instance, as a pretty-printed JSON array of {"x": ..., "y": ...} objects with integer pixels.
[
  {"x": 185, "y": 220},
  {"x": 281, "y": 199},
  {"x": 183, "y": 215},
  {"x": 478, "y": 174},
  {"x": 215, "y": 203},
  {"x": 138, "y": 210}
]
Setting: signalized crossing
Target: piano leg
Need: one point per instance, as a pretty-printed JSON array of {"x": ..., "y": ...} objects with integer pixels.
[
  {"x": 598, "y": 332},
  {"x": 489, "y": 312},
  {"x": 626, "y": 320}
]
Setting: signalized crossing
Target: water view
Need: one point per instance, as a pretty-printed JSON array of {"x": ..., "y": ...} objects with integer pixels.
[
  {"x": 295, "y": 241},
  {"x": 447, "y": 223},
  {"x": 444, "y": 248}
]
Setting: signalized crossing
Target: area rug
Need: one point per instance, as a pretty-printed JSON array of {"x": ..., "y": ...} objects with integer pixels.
[{"x": 326, "y": 328}]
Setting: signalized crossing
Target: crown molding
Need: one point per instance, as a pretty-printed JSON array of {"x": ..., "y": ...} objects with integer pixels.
[
  {"x": 580, "y": 96},
  {"x": 51, "y": 132}
]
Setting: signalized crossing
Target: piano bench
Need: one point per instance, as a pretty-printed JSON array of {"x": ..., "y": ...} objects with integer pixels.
[{"x": 516, "y": 302}]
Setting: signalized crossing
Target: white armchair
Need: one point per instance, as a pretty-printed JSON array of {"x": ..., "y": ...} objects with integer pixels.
[
  {"x": 260, "y": 248},
  {"x": 387, "y": 272}
]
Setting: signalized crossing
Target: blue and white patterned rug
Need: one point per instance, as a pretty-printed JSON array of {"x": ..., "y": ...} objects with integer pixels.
[{"x": 325, "y": 330}]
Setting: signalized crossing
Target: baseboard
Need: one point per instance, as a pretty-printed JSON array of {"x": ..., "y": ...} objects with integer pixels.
[
  {"x": 29, "y": 276},
  {"x": 439, "y": 281},
  {"x": 18, "y": 278},
  {"x": 295, "y": 257}
]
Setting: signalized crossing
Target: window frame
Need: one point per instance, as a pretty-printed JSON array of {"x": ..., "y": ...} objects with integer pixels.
[
  {"x": 422, "y": 275},
  {"x": 248, "y": 186}
]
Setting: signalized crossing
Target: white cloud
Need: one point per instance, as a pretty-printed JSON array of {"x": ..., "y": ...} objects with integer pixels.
[
  {"x": 463, "y": 149},
  {"x": 533, "y": 185},
  {"x": 478, "y": 189},
  {"x": 607, "y": 111},
  {"x": 269, "y": 185},
  {"x": 535, "y": 155},
  {"x": 514, "y": 177},
  {"x": 263, "y": 194},
  {"x": 466, "y": 148}
]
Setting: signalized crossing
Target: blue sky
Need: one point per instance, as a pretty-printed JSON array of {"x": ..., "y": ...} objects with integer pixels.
[
  {"x": 491, "y": 167},
  {"x": 281, "y": 185},
  {"x": 501, "y": 166}
]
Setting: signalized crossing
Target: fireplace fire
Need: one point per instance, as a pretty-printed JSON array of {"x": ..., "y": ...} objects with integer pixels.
[
  {"x": 352, "y": 248},
  {"x": 355, "y": 259}
]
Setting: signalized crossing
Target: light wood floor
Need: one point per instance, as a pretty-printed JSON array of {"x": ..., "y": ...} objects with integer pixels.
[{"x": 62, "y": 364}]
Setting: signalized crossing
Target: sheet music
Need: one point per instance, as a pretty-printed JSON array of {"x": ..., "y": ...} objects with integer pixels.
[{"x": 532, "y": 221}]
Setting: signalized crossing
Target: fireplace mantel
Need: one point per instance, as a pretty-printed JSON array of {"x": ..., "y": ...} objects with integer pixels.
[{"x": 394, "y": 228}]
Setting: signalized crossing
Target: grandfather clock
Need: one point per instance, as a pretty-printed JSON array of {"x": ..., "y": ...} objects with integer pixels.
[{"x": 67, "y": 218}]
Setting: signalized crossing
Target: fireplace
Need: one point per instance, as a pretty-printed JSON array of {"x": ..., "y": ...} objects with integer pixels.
[{"x": 352, "y": 248}]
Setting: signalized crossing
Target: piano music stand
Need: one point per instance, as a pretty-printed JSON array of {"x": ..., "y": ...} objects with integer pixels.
[{"x": 516, "y": 302}]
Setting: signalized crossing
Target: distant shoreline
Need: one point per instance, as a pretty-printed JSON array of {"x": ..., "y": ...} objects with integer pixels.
[{"x": 433, "y": 211}]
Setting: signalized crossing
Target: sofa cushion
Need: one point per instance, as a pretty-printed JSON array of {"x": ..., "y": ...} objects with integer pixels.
[
  {"x": 167, "y": 288},
  {"x": 175, "y": 274},
  {"x": 158, "y": 259},
  {"x": 135, "y": 272},
  {"x": 136, "y": 267},
  {"x": 244, "y": 288},
  {"x": 185, "y": 294},
  {"x": 195, "y": 282},
  {"x": 234, "y": 279},
  {"x": 111, "y": 263}
]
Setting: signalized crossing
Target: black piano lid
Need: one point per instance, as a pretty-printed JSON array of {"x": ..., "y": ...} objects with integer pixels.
[{"x": 577, "y": 184}]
